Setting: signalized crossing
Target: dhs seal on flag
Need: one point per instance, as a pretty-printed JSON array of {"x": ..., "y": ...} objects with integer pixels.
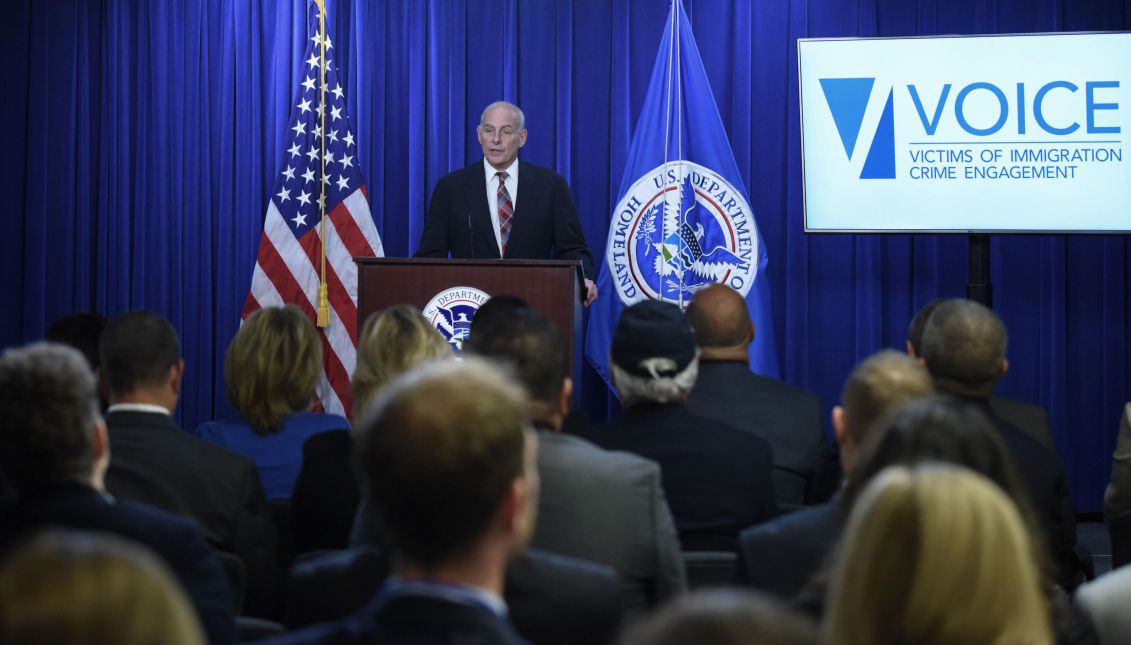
[
  {"x": 680, "y": 227},
  {"x": 451, "y": 311}
]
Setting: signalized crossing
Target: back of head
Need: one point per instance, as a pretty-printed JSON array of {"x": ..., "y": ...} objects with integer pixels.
[
  {"x": 72, "y": 588},
  {"x": 723, "y": 617},
  {"x": 964, "y": 347},
  {"x": 719, "y": 317},
  {"x": 272, "y": 366},
  {"x": 495, "y": 309},
  {"x": 391, "y": 343},
  {"x": 81, "y": 330},
  {"x": 936, "y": 554},
  {"x": 879, "y": 383},
  {"x": 529, "y": 345},
  {"x": 137, "y": 350},
  {"x": 653, "y": 358},
  {"x": 439, "y": 449},
  {"x": 49, "y": 412},
  {"x": 918, "y": 323}
]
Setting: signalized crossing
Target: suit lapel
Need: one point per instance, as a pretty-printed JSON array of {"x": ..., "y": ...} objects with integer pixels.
[{"x": 482, "y": 220}]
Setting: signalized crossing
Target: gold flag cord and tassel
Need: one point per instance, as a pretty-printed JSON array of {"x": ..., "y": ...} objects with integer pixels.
[{"x": 323, "y": 291}]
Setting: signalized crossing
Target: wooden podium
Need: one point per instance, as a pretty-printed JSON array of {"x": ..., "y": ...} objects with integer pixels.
[{"x": 552, "y": 287}]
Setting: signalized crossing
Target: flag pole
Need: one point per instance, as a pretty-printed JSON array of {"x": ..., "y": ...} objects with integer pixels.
[{"x": 323, "y": 291}]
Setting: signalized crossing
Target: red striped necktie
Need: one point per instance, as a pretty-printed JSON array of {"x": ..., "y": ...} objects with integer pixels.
[{"x": 506, "y": 210}]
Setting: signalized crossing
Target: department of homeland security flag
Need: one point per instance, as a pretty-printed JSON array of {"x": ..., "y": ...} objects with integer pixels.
[
  {"x": 682, "y": 219},
  {"x": 288, "y": 266}
]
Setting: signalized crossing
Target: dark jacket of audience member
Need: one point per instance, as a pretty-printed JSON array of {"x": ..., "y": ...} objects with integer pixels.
[
  {"x": 788, "y": 418},
  {"x": 964, "y": 349},
  {"x": 54, "y": 449},
  {"x": 153, "y": 461},
  {"x": 717, "y": 479}
]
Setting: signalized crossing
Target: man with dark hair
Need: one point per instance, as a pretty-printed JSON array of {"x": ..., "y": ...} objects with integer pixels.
[
  {"x": 54, "y": 450},
  {"x": 717, "y": 479},
  {"x": 788, "y": 418},
  {"x": 963, "y": 348},
  {"x": 1032, "y": 419},
  {"x": 599, "y": 505},
  {"x": 155, "y": 462},
  {"x": 781, "y": 555},
  {"x": 446, "y": 458}
]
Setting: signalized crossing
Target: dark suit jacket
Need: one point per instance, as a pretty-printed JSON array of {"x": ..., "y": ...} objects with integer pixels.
[
  {"x": 154, "y": 462},
  {"x": 410, "y": 620},
  {"x": 176, "y": 540},
  {"x": 1026, "y": 417},
  {"x": 780, "y": 556},
  {"x": 608, "y": 507},
  {"x": 789, "y": 418},
  {"x": 552, "y": 599},
  {"x": 326, "y": 493},
  {"x": 1043, "y": 476},
  {"x": 544, "y": 224},
  {"x": 718, "y": 480}
]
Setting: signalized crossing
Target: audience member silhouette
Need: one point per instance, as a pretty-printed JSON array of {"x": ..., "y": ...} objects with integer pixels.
[{"x": 54, "y": 449}]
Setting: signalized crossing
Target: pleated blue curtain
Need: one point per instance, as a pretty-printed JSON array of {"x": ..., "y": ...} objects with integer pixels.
[{"x": 140, "y": 142}]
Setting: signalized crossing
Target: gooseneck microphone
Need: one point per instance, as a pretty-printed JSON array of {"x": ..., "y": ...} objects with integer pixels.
[{"x": 470, "y": 237}]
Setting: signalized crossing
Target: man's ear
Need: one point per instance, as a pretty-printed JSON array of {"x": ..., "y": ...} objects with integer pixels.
[
  {"x": 176, "y": 373},
  {"x": 911, "y": 349},
  {"x": 522, "y": 138},
  {"x": 838, "y": 424},
  {"x": 565, "y": 396},
  {"x": 513, "y": 513},
  {"x": 752, "y": 334},
  {"x": 1003, "y": 369},
  {"x": 100, "y": 445}
]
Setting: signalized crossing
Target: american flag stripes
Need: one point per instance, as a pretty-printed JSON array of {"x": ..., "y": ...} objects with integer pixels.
[{"x": 289, "y": 262}]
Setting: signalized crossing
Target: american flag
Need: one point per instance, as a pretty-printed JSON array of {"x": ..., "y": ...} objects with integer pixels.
[{"x": 288, "y": 266}]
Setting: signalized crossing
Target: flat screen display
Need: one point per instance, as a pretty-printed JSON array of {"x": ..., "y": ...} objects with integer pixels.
[{"x": 967, "y": 134}]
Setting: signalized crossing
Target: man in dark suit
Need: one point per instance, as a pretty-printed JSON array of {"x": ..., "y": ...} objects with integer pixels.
[
  {"x": 449, "y": 462},
  {"x": 717, "y": 479},
  {"x": 781, "y": 556},
  {"x": 599, "y": 505},
  {"x": 54, "y": 450},
  {"x": 156, "y": 463},
  {"x": 1029, "y": 418},
  {"x": 964, "y": 350},
  {"x": 505, "y": 208},
  {"x": 788, "y": 418}
]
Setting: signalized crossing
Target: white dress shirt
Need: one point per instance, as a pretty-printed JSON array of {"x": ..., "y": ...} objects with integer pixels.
[{"x": 511, "y": 183}]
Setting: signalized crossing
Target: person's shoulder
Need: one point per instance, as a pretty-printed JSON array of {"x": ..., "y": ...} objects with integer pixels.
[
  {"x": 218, "y": 429},
  {"x": 590, "y": 457},
  {"x": 802, "y": 521},
  {"x": 318, "y": 421},
  {"x": 785, "y": 390}
]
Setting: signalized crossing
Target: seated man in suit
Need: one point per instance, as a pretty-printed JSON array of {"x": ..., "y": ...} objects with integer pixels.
[
  {"x": 54, "y": 450},
  {"x": 448, "y": 461},
  {"x": 595, "y": 504},
  {"x": 717, "y": 479},
  {"x": 727, "y": 391},
  {"x": 157, "y": 463},
  {"x": 505, "y": 208},
  {"x": 1027, "y": 417},
  {"x": 780, "y": 556},
  {"x": 964, "y": 350}
]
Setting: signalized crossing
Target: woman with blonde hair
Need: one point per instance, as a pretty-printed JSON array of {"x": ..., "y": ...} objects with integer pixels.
[
  {"x": 75, "y": 588},
  {"x": 271, "y": 369},
  {"x": 936, "y": 554},
  {"x": 392, "y": 342}
]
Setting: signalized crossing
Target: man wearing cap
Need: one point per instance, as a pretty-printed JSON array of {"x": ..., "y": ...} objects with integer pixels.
[{"x": 718, "y": 479}]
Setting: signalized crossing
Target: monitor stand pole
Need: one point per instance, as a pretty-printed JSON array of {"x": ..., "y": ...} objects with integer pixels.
[{"x": 978, "y": 287}]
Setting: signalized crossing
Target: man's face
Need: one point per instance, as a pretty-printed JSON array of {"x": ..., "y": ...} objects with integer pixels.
[{"x": 500, "y": 136}]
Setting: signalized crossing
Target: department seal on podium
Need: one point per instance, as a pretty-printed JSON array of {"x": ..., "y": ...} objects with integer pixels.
[{"x": 451, "y": 311}]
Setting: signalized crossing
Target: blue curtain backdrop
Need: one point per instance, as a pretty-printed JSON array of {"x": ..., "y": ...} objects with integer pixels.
[{"x": 140, "y": 140}]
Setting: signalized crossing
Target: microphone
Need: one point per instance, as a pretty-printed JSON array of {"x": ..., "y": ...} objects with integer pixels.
[{"x": 470, "y": 237}]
